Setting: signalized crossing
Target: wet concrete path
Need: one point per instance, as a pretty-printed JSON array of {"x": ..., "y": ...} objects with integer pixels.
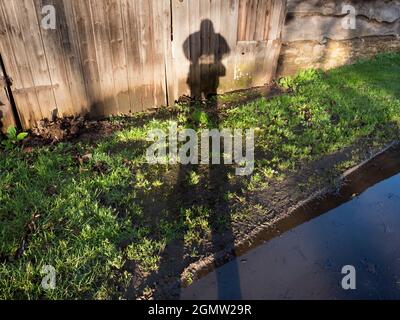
[{"x": 306, "y": 261}]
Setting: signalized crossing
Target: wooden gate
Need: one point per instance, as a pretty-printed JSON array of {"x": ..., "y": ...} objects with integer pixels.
[{"x": 110, "y": 57}]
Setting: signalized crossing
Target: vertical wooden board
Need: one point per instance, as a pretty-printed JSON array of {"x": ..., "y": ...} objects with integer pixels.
[
  {"x": 278, "y": 14},
  {"x": 215, "y": 17},
  {"x": 170, "y": 74},
  {"x": 272, "y": 57},
  {"x": 260, "y": 72},
  {"x": 194, "y": 73},
  {"x": 277, "y": 20},
  {"x": 104, "y": 56},
  {"x": 242, "y": 19},
  {"x": 131, "y": 25},
  {"x": 229, "y": 22},
  {"x": 244, "y": 64},
  {"x": 55, "y": 60},
  {"x": 67, "y": 31},
  {"x": 151, "y": 62},
  {"x": 251, "y": 23},
  {"x": 144, "y": 87},
  {"x": 145, "y": 32},
  {"x": 267, "y": 19},
  {"x": 206, "y": 45},
  {"x": 85, "y": 35},
  {"x": 164, "y": 40},
  {"x": 18, "y": 67},
  {"x": 118, "y": 52},
  {"x": 229, "y": 30},
  {"x": 6, "y": 114},
  {"x": 156, "y": 13},
  {"x": 30, "y": 31},
  {"x": 253, "y": 20},
  {"x": 181, "y": 32},
  {"x": 261, "y": 17}
]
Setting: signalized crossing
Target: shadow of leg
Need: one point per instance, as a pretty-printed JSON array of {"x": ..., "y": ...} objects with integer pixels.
[
  {"x": 222, "y": 234},
  {"x": 221, "y": 224}
]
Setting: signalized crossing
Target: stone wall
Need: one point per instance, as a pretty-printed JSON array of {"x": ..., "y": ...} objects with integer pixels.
[{"x": 314, "y": 35}]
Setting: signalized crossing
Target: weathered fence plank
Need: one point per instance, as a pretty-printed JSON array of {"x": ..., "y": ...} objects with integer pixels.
[
  {"x": 130, "y": 23},
  {"x": 118, "y": 55},
  {"x": 56, "y": 65},
  {"x": 32, "y": 41},
  {"x": 104, "y": 56},
  {"x": 181, "y": 31},
  {"x": 68, "y": 33},
  {"x": 6, "y": 112},
  {"x": 88, "y": 53}
]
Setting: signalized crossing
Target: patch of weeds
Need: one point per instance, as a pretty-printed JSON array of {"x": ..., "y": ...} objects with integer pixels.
[
  {"x": 183, "y": 115},
  {"x": 345, "y": 165},
  {"x": 188, "y": 279},
  {"x": 257, "y": 181},
  {"x": 302, "y": 78},
  {"x": 169, "y": 230},
  {"x": 200, "y": 118},
  {"x": 141, "y": 182},
  {"x": 147, "y": 253},
  {"x": 193, "y": 178},
  {"x": 13, "y": 138},
  {"x": 243, "y": 213},
  {"x": 196, "y": 224}
]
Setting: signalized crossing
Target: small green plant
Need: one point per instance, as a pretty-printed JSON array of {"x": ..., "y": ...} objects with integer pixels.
[
  {"x": 301, "y": 78},
  {"x": 194, "y": 178},
  {"x": 13, "y": 138},
  {"x": 286, "y": 83},
  {"x": 200, "y": 117}
]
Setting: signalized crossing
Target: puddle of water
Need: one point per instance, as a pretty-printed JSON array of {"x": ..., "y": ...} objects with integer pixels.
[{"x": 304, "y": 255}]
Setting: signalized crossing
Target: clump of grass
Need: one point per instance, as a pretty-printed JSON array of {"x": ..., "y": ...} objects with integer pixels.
[
  {"x": 193, "y": 178},
  {"x": 146, "y": 253},
  {"x": 196, "y": 221}
]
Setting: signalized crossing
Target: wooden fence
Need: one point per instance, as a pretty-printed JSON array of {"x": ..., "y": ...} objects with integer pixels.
[{"x": 109, "y": 57}]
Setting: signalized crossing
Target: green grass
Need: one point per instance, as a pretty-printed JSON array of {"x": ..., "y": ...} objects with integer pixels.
[{"x": 91, "y": 210}]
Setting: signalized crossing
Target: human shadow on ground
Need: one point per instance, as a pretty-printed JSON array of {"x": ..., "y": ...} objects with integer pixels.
[{"x": 205, "y": 49}]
